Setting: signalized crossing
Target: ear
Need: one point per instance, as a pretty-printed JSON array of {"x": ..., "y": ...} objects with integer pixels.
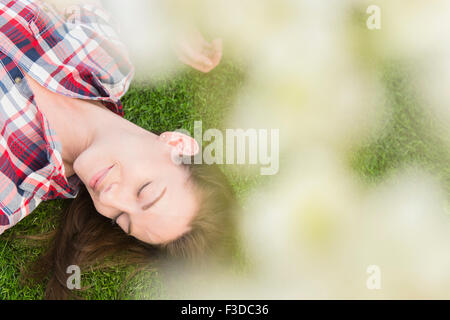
[{"x": 184, "y": 144}]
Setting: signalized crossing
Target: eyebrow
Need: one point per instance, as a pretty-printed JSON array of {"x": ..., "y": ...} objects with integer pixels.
[{"x": 146, "y": 207}]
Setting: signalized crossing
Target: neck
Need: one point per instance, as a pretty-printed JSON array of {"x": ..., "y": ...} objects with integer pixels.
[
  {"x": 78, "y": 123},
  {"x": 77, "y": 126},
  {"x": 86, "y": 123}
]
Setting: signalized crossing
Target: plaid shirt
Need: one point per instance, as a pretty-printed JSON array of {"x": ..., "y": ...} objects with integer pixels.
[{"x": 77, "y": 54}]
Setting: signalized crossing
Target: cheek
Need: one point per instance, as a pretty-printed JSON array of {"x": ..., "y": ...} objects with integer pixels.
[{"x": 89, "y": 162}]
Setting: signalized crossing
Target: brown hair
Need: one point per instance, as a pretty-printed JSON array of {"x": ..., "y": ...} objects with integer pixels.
[{"x": 86, "y": 238}]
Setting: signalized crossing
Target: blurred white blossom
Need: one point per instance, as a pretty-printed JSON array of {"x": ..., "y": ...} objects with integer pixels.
[{"x": 313, "y": 231}]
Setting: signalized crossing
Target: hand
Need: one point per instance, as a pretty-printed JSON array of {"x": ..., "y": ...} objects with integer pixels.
[{"x": 198, "y": 53}]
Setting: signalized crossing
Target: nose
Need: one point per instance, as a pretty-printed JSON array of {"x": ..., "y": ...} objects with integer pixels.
[{"x": 118, "y": 198}]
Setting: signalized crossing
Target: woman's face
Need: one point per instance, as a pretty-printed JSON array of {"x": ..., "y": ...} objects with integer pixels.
[{"x": 130, "y": 176}]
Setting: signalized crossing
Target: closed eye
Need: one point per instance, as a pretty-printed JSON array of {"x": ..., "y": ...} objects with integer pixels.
[
  {"x": 114, "y": 222},
  {"x": 149, "y": 205},
  {"x": 142, "y": 188}
]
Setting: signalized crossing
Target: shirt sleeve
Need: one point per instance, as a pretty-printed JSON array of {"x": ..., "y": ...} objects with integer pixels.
[
  {"x": 95, "y": 17},
  {"x": 10, "y": 218},
  {"x": 111, "y": 62}
]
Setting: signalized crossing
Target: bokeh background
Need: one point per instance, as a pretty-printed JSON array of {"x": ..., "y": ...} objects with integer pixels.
[{"x": 364, "y": 175}]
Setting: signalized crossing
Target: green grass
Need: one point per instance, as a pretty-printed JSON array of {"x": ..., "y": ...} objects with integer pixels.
[
  {"x": 176, "y": 102},
  {"x": 165, "y": 103},
  {"x": 410, "y": 137}
]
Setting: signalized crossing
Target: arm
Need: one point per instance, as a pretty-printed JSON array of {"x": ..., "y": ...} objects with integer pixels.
[{"x": 191, "y": 47}]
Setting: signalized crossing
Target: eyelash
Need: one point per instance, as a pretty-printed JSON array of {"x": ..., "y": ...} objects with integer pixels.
[
  {"x": 114, "y": 221},
  {"x": 145, "y": 184}
]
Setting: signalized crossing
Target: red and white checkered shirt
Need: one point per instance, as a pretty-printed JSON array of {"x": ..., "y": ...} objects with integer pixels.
[{"x": 77, "y": 54}]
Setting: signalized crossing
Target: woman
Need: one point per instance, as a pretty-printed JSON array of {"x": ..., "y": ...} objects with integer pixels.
[{"x": 61, "y": 76}]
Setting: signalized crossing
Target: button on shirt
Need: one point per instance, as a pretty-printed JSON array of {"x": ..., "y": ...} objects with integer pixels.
[{"x": 77, "y": 54}]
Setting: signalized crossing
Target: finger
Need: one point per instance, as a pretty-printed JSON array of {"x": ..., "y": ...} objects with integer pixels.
[
  {"x": 214, "y": 54},
  {"x": 210, "y": 49},
  {"x": 202, "y": 41},
  {"x": 217, "y": 56},
  {"x": 194, "y": 64},
  {"x": 195, "y": 57}
]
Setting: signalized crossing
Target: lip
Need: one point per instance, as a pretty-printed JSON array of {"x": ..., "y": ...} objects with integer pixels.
[{"x": 98, "y": 177}]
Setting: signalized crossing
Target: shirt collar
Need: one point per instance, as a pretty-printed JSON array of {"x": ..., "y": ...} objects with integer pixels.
[{"x": 50, "y": 181}]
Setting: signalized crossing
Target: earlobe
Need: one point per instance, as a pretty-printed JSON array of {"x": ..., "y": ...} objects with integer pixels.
[{"x": 184, "y": 144}]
